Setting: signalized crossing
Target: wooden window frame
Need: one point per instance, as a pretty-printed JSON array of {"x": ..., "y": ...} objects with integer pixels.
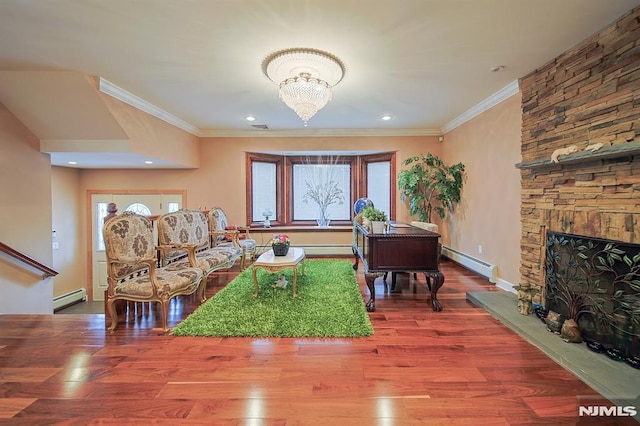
[{"x": 284, "y": 184}]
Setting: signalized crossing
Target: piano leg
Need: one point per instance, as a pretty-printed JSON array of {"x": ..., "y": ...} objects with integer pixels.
[
  {"x": 356, "y": 258},
  {"x": 370, "y": 278},
  {"x": 438, "y": 281}
]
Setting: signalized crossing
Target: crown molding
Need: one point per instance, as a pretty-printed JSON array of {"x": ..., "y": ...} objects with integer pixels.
[
  {"x": 116, "y": 92},
  {"x": 301, "y": 133},
  {"x": 119, "y": 93},
  {"x": 493, "y": 100}
]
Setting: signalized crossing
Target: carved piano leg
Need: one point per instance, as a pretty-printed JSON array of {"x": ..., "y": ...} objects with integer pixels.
[
  {"x": 370, "y": 278},
  {"x": 394, "y": 279},
  {"x": 384, "y": 281},
  {"x": 438, "y": 281},
  {"x": 356, "y": 258}
]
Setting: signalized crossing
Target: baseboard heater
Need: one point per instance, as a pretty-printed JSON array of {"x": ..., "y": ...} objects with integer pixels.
[
  {"x": 476, "y": 265},
  {"x": 70, "y": 298}
]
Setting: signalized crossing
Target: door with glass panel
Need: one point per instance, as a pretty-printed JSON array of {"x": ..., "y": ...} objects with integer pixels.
[{"x": 145, "y": 204}]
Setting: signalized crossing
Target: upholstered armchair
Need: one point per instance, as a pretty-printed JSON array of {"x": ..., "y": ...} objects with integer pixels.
[
  {"x": 222, "y": 233},
  {"x": 132, "y": 271},
  {"x": 183, "y": 238}
]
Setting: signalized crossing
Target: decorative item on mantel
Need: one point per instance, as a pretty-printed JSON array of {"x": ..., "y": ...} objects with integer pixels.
[{"x": 280, "y": 244}]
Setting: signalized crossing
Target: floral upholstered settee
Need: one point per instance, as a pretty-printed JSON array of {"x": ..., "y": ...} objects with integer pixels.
[
  {"x": 179, "y": 231},
  {"x": 225, "y": 234},
  {"x": 132, "y": 271}
]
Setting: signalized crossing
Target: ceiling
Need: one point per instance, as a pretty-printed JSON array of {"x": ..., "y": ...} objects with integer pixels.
[{"x": 424, "y": 62}]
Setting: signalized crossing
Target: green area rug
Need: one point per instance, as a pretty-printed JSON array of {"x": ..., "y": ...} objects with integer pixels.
[{"x": 329, "y": 304}]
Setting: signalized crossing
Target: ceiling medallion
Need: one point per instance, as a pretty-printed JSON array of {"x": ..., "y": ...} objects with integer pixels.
[{"x": 305, "y": 78}]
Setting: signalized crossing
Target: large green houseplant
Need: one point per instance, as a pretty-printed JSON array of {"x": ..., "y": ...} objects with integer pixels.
[{"x": 430, "y": 184}]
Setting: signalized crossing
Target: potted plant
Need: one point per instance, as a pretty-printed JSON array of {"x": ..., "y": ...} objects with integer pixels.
[
  {"x": 376, "y": 217},
  {"x": 429, "y": 181},
  {"x": 280, "y": 244}
]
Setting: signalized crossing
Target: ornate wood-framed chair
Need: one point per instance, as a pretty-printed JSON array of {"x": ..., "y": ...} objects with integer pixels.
[
  {"x": 222, "y": 233},
  {"x": 132, "y": 268},
  {"x": 182, "y": 230}
]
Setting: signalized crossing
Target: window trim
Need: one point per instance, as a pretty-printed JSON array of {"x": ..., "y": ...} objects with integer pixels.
[
  {"x": 278, "y": 160},
  {"x": 363, "y": 177},
  {"x": 284, "y": 184}
]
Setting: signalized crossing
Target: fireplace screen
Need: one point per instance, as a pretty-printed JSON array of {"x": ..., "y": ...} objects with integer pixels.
[{"x": 596, "y": 282}]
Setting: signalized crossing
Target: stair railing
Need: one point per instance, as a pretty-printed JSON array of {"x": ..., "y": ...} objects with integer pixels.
[{"x": 45, "y": 271}]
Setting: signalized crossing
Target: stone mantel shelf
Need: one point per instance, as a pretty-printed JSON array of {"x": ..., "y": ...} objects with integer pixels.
[{"x": 615, "y": 151}]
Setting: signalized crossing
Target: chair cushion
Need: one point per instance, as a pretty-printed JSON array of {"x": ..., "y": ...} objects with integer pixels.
[
  {"x": 248, "y": 244},
  {"x": 219, "y": 257},
  {"x": 183, "y": 280}
]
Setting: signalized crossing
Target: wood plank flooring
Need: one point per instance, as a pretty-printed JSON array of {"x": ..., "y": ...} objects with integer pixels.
[{"x": 459, "y": 366}]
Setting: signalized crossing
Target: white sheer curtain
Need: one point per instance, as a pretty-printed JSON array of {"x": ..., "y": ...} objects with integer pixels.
[
  {"x": 264, "y": 190},
  {"x": 378, "y": 185}
]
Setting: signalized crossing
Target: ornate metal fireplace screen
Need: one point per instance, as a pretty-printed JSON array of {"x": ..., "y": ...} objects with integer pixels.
[{"x": 597, "y": 283}]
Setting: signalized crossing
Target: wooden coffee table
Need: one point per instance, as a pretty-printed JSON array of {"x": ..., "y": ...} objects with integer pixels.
[{"x": 274, "y": 264}]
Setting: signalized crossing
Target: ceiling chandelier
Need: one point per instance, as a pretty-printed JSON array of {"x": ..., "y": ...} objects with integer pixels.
[{"x": 305, "y": 78}]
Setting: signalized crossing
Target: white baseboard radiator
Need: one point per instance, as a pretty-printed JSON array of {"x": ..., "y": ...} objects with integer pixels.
[
  {"x": 476, "y": 265},
  {"x": 69, "y": 298}
]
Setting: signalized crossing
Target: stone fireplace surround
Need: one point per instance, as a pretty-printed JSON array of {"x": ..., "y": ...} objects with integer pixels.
[{"x": 588, "y": 95}]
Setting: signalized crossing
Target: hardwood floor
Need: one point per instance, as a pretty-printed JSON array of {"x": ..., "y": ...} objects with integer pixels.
[{"x": 459, "y": 366}]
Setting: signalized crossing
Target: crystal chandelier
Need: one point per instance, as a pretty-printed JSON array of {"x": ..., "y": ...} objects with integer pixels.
[{"x": 305, "y": 78}]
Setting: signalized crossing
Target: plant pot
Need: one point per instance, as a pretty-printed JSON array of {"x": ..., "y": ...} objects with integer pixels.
[
  {"x": 280, "y": 249},
  {"x": 377, "y": 227}
]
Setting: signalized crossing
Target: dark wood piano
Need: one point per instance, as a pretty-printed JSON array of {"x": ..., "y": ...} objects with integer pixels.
[{"x": 401, "y": 248}]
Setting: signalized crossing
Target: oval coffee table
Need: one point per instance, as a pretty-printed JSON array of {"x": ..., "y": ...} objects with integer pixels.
[{"x": 273, "y": 264}]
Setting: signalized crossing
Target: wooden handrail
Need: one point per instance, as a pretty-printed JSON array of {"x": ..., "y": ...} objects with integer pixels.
[{"x": 46, "y": 271}]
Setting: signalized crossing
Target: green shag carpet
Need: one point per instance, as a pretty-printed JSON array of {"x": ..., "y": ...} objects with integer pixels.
[{"x": 329, "y": 304}]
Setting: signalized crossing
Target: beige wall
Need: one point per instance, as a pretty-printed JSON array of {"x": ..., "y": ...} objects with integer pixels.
[
  {"x": 220, "y": 180},
  {"x": 25, "y": 218},
  {"x": 489, "y": 214},
  {"x": 67, "y": 210},
  {"x": 153, "y": 137}
]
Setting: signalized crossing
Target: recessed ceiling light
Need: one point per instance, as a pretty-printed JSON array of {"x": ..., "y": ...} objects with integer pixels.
[
  {"x": 148, "y": 162},
  {"x": 250, "y": 118},
  {"x": 386, "y": 117},
  {"x": 72, "y": 162}
]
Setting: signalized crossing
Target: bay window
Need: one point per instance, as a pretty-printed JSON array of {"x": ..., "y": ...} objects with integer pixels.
[{"x": 305, "y": 190}]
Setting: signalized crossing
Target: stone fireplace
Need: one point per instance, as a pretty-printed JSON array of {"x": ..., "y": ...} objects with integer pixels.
[{"x": 589, "y": 97}]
